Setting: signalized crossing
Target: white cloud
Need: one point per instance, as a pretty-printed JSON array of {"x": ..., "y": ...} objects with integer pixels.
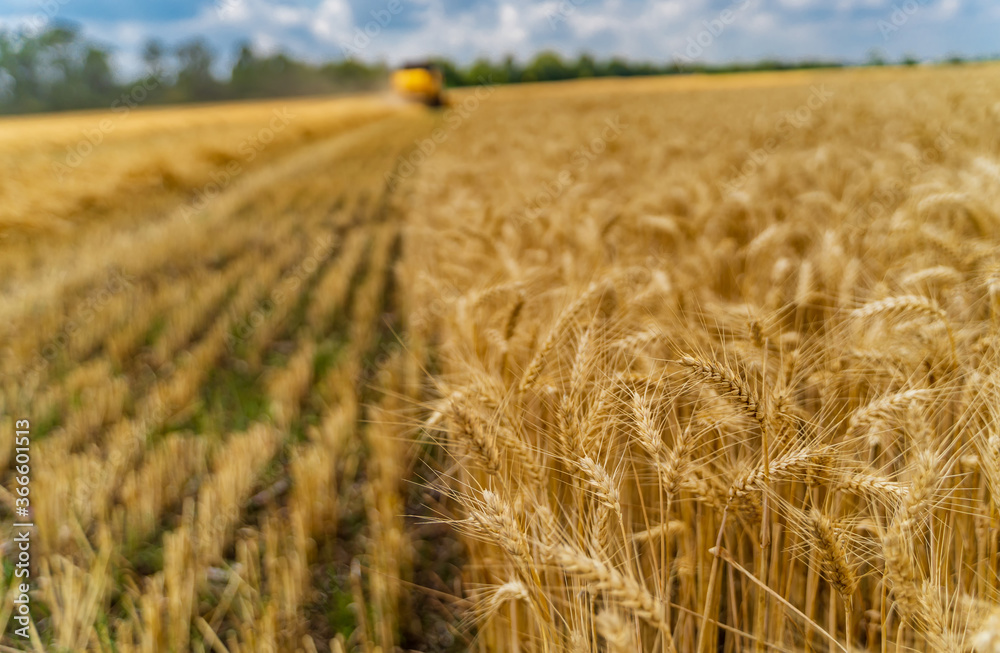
[
  {"x": 801, "y": 4},
  {"x": 948, "y": 9},
  {"x": 332, "y": 19},
  {"x": 511, "y": 24},
  {"x": 762, "y": 23},
  {"x": 650, "y": 30},
  {"x": 852, "y": 5},
  {"x": 265, "y": 43}
]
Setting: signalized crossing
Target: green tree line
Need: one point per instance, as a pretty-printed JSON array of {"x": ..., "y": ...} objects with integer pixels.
[
  {"x": 548, "y": 66},
  {"x": 58, "y": 68}
]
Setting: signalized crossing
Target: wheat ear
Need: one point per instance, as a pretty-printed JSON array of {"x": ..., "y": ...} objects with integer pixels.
[
  {"x": 625, "y": 591},
  {"x": 538, "y": 360},
  {"x": 728, "y": 383}
]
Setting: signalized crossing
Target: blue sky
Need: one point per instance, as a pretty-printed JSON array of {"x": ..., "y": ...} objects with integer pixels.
[{"x": 702, "y": 30}]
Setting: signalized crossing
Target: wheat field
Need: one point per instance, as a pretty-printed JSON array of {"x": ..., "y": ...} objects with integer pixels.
[{"x": 669, "y": 364}]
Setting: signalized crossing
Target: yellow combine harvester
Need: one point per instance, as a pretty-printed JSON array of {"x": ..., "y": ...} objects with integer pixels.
[{"x": 422, "y": 82}]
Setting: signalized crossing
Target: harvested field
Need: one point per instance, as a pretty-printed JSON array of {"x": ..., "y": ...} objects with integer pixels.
[{"x": 673, "y": 364}]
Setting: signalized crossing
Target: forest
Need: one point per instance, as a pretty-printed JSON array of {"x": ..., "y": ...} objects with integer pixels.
[{"x": 59, "y": 68}]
